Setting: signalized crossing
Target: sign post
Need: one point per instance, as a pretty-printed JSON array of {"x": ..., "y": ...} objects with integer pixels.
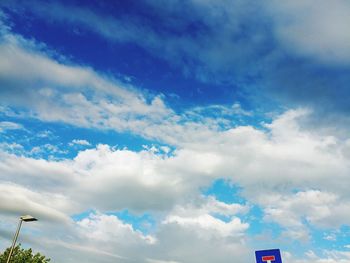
[{"x": 268, "y": 256}]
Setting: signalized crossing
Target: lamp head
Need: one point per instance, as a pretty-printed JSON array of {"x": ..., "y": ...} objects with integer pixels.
[{"x": 28, "y": 218}]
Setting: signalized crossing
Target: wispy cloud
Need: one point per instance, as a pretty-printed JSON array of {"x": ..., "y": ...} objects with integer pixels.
[
  {"x": 294, "y": 55},
  {"x": 7, "y": 125},
  {"x": 79, "y": 142},
  {"x": 79, "y": 96}
]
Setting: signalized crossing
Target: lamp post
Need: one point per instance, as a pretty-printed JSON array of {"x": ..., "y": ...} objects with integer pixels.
[{"x": 26, "y": 218}]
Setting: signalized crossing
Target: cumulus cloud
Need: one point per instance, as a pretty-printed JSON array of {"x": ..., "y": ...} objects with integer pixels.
[
  {"x": 292, "y": 174},
  {"x": 117, "y": 241},
  {"x": 203, "y": 221},
  {"x": 104, "y": 229},
  {"x": 267, "y": 166},
  {"x": 107, "y": 178},
  {"x": 215, "y": 206},
  {"x": 318, "y": 208}
]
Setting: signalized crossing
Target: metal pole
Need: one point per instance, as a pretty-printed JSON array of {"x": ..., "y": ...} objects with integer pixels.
[{"x": 14, "y": 240}]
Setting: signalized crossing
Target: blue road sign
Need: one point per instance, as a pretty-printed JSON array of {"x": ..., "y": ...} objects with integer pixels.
[{"x": 268, "y": 256}]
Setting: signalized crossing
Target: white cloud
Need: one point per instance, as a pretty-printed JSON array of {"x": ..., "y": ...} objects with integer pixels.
[
  {"x": 79, "y": 96},
  {"x": 103, "y": 178},
  {"x": 7, "y": 125},
  {"x": 329, "y": 256},
  {"x": 269, "y": 166},
  {"x": 108, "y": 228},
  {"x": 105, "y": 238},
  {"x": 215, "y": 206},
  {"x": 330, "y": 237},
  {"x": 45, "y": 134},
  {"x": 200, "y": 215},
  {"x": 12, "y": 147},
  {"x": 79, "y": 142},
  {"x": 292, "y": 173},
  {"x": 318, "y": 29},
  {"x": 311, "y": 28},
  {"x": 18, "y": 200},
  {"x": 37, "y": 175},
  {"x": 208, "y": 51},
  {"x": 62, "y": 94},
  {"x": 209, "y": 224},
  {"x": 318, "y": 208}
]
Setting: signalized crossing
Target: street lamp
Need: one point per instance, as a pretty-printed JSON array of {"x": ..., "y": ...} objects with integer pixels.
[{"x": 26, "y": 218}]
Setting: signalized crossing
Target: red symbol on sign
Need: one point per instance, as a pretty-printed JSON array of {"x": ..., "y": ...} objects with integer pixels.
[{"x": 268, "y": 259}]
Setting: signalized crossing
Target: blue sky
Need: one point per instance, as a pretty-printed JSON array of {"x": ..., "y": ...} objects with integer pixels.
[{"x": 188, "y": 131}]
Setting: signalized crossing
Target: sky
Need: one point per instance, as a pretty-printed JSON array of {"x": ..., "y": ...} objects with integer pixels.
[{"x": 176, "y": 131}]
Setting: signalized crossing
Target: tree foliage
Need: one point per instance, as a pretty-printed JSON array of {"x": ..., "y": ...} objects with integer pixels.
[{"x": 21, "y": 255}]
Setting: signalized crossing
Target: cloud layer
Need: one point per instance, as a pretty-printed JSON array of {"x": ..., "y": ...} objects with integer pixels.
[{"x": 290, "y": 175}]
